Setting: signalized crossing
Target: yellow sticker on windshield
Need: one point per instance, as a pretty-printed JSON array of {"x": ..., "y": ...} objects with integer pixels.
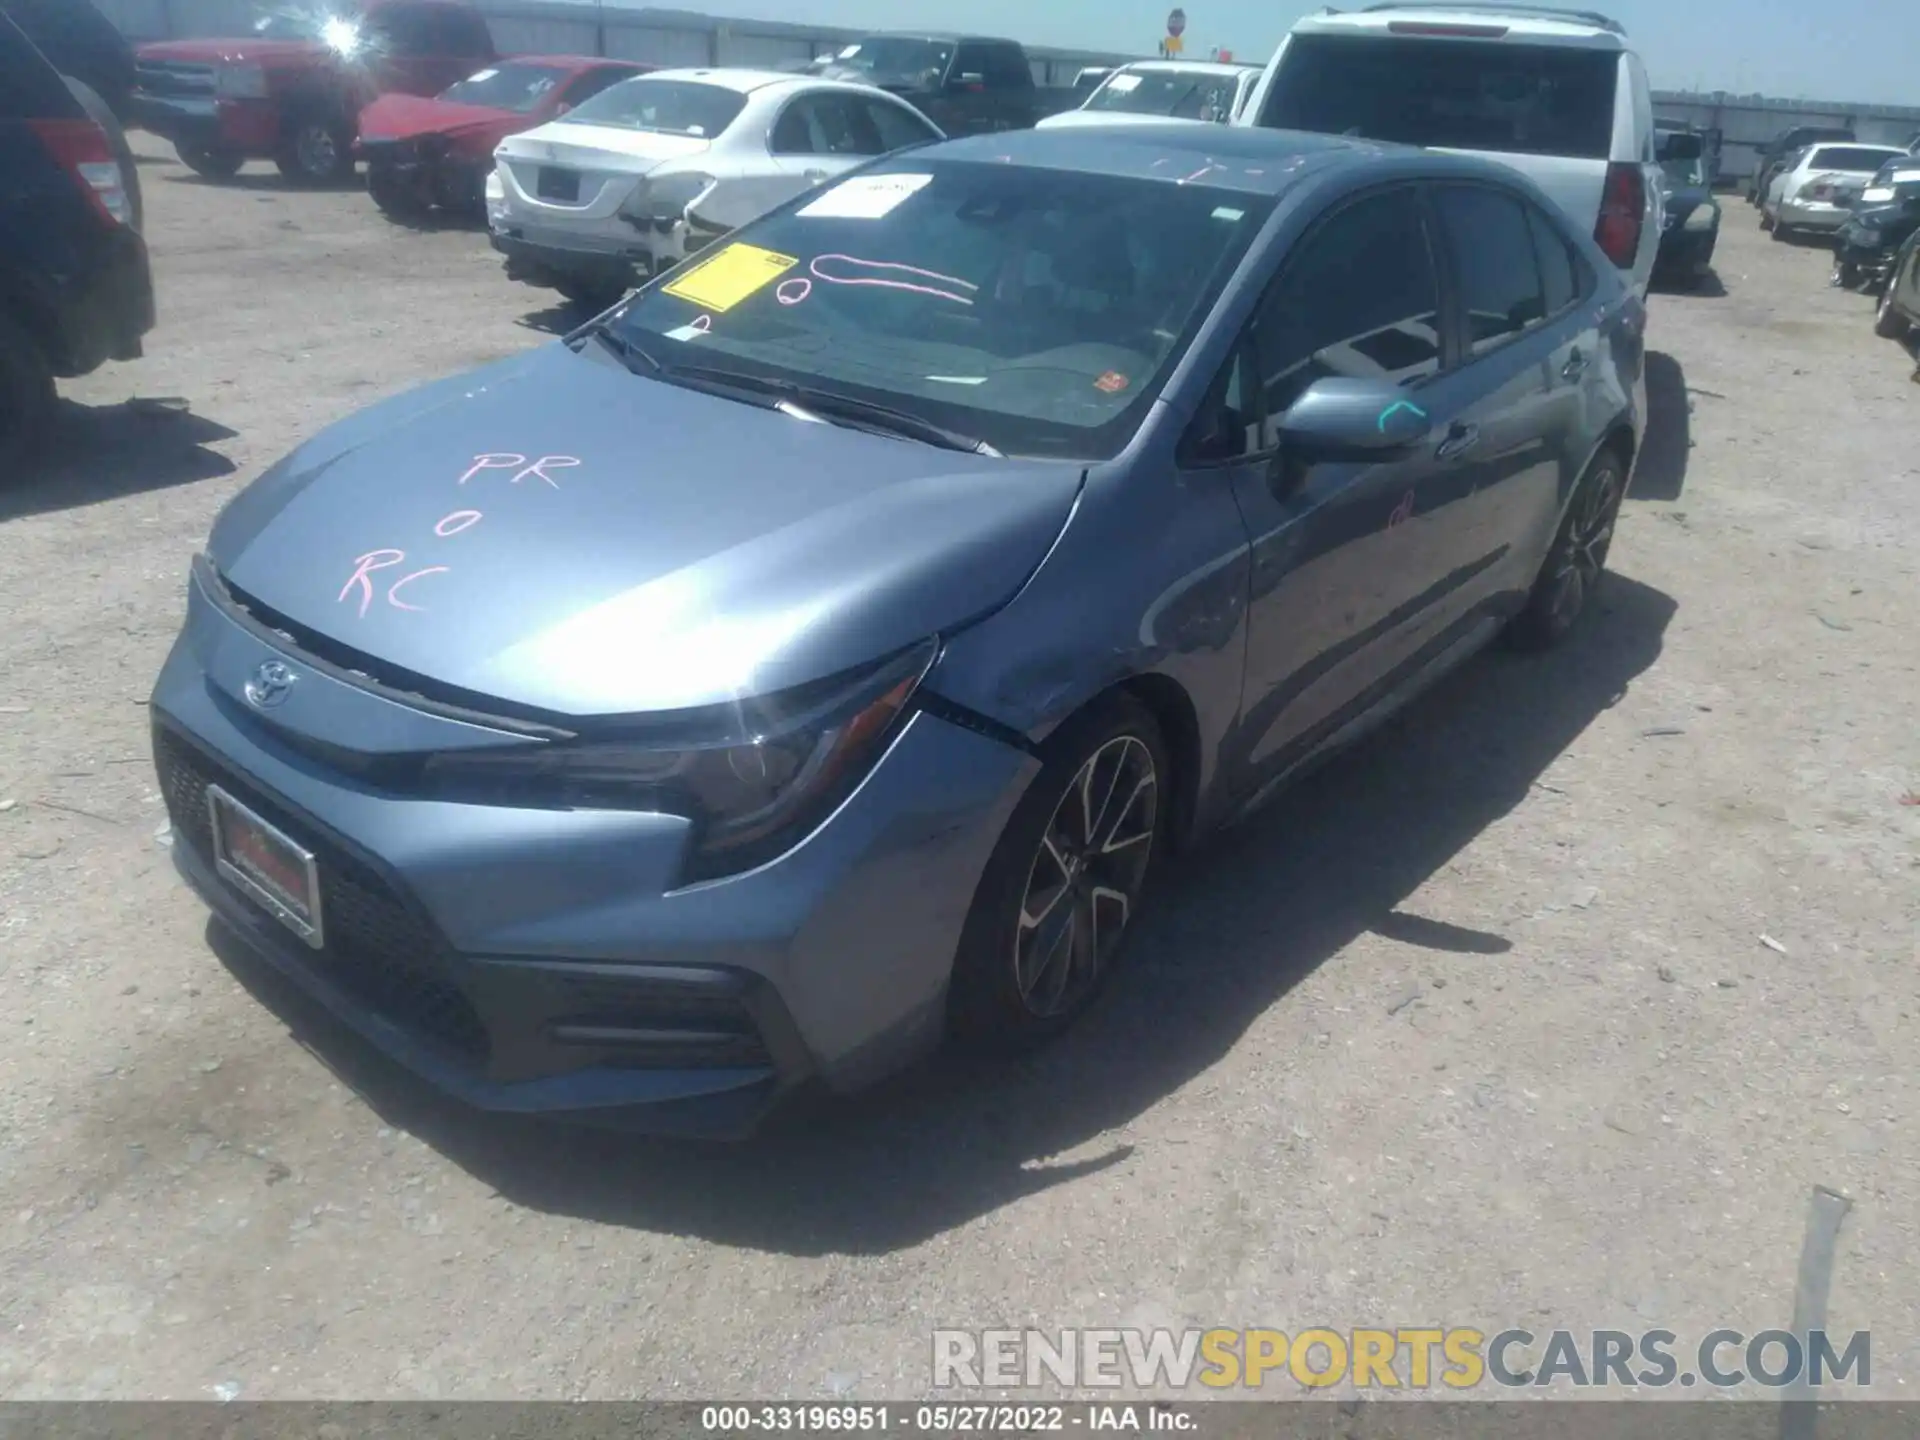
[{"x": 723, "y": 281}]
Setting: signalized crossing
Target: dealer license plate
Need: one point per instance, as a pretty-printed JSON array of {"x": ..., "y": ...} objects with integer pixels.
[{"x": 266, "y": 865}]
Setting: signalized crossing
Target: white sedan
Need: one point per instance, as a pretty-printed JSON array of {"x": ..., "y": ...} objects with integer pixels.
[
  {"x": 1817, "y": 188},
  {"x": 634, "y": 180},
  {"x": 1149, "y": 90}
]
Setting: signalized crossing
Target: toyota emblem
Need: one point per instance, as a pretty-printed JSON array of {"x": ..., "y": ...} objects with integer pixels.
[{"x": 270, "y": 684}]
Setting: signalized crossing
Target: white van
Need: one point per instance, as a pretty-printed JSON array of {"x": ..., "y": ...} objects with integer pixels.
[{"x": 1557, "y": 94}]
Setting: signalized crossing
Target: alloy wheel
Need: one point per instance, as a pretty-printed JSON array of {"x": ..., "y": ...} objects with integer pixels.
[
  {"x": 1584, "y": 555},
  {"x": 316, "y": 151},
  {"x": 1086, "y": 877}
]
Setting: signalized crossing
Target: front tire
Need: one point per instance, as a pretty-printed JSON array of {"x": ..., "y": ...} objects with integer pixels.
[
  {"x": 1577, "y": 559},
  {"x": 26, "y": 397},
  {"x": 316, "y": 151},
  {"x": 209, "y": 164},
  {"x": 1889, "y": 323},
  {"x": 394, "y": 198},
  {"x": 1067, "y": 878}
]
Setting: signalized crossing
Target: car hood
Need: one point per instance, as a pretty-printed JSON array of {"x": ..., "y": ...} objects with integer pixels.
[
  {"x": 247, "y": 50},
  {"x": 674, "y": 550},
  {"x": 407, "y": 117},
  {"x": 600, "y": 147}
]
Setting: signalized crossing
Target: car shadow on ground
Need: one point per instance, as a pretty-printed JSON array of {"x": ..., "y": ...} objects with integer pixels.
[
  {"x": 1236, "y": 926},
  {"x": 1705, "y": 286},
  {"x": 1661, "y": 472},
  {"x": 1806, "y": 239},
  {"x": 436, "y": 221},
  {"x": 266, "y": 180},
  {"x": 102, "y": 452},
  {"x": 560, "y": 318}
]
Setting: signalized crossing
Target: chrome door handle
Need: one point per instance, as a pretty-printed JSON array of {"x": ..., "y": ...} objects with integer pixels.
[{"x": 1460, "y": 439}]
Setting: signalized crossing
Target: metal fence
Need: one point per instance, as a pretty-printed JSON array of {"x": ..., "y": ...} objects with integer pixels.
[
  {"x": 1747, "y": 122},
  {"x": 553, "y": 27}
]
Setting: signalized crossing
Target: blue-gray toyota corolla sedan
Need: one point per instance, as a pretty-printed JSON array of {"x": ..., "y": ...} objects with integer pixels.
[{"x": 817, "y": 654}]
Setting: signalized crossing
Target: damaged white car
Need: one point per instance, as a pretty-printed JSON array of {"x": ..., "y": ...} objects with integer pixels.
[{"x": 653, "y": 169}]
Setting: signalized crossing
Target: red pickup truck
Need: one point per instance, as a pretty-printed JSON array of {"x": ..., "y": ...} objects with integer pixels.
[{"x": 293, "y": 89}]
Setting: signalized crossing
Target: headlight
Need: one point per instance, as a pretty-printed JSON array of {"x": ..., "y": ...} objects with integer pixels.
[
  {"x": 667, "y": 198},
  {"x": 1704, "y": 217},
  {"x": 752, "y": 777},
  {"x": 241, "y": 82}
]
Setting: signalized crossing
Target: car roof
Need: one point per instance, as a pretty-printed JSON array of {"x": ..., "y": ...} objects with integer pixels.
[
  {"x": 575, "y": 62},
  {"x": 1249, "y": 159},
  {"x": 1529, "y": 24},
  {"x": 1892, "y": 152},
  {"x": 954, "y": 37},
  {"x": 743, "y": 80}
]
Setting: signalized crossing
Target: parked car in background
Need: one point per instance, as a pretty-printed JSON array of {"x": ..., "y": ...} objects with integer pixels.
[
  {"x": 1887, "y": 212},
  {"x": 965, "y": 84},
  {"x": 424, "y": 153},
  {"x": 1154, "y": 90},
  {"x": 1562, "y": 97},
  {"x": 292, "y": 91},
  {"x": 1691, "y": 228},
  {"x": 1777, "y": 152},
  {"x": 869, "y": 607},
  {"x": 1817, "y": 188},
  {"x": 82, "y": 44},
  {"x": 637, "y": 178},
  {"x": 75, "y": 289},
  {"x": 1899, "y": 309}
]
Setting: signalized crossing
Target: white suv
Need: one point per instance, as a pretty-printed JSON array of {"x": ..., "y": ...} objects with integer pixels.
[{"x": 1556, "y": 94}]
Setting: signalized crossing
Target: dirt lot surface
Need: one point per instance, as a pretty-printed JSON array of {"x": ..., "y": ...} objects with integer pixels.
[{"x": 1549, "y": 1006}]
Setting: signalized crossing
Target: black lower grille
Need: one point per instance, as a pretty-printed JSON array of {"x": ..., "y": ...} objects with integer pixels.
[{"x": 377, "y": 946}]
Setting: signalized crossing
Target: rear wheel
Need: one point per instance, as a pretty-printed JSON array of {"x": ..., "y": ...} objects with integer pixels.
[
  {"x": 316, "y": 150},
  {"x": 26, "y": 396},
  {"x": 1888, "y": 322},
  {"x": 1066, "y": 880},
  {"x": 213, "y": 164},
  {"x": 1573, "y": 567}
]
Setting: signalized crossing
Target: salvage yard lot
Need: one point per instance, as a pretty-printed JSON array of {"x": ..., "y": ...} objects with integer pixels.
[{"x": 1547, "y": 1006}]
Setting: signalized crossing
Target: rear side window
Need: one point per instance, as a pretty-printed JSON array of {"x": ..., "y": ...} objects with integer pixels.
[
  {"x": 1497, "y": 96},
  {"x": 1492, "y": 244},
  {"x": 1559, "y": 268},
  {"x": 1849, "y": 157}
]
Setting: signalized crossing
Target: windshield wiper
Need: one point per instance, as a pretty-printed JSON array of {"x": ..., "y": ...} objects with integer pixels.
[
  {"x": 830, "y": 405},
  {"x": 634, "y": 356}
]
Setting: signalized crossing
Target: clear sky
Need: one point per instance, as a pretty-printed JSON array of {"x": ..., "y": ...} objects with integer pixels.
[{"x": 1866, "y": 51}]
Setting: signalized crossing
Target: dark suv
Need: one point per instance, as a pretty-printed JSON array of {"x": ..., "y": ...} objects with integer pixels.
[
  {"x": 965, "y": 84},
  {"x": 74, "y": 286}
]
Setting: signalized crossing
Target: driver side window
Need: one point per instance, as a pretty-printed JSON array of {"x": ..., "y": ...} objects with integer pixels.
[{"x": 1358, "y": 297}]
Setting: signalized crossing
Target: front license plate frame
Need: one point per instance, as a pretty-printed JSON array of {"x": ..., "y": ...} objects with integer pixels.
[{"x": 291, "y": 896}]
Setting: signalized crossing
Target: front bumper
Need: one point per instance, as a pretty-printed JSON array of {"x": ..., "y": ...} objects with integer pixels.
[
  {"x": 549, "y": 962},
  {"x": 429, "y": 171},
  {"x": 1687, "y": 251},
  {"x": 241, "y": 127}
]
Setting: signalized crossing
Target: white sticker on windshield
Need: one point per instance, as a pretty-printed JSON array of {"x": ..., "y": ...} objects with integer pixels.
[
  {"x": 865, "y": 197},
  {"x": 480, "y": 75},
  {"x": 1124, "y": 84},
  {"x": 1227, "y": 212},
  {"x": 957, "y": 379}
]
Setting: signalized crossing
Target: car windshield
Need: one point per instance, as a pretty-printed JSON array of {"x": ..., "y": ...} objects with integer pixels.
[
  {"x": 289, "y": 25},
  {"x": 1037, "y": 310},
  {"x": 674, "y": 107},
  {"x": 1181, "y": 94},
  {"x": 1854, "y": 159},
  {"x": 897, "y": 59},
  {"x": 514, "y": 87},
  {"x": 1453, "y": 94}
]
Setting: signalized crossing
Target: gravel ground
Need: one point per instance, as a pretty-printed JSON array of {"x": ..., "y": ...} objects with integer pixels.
[{"x": 1548, "y": 1006}]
